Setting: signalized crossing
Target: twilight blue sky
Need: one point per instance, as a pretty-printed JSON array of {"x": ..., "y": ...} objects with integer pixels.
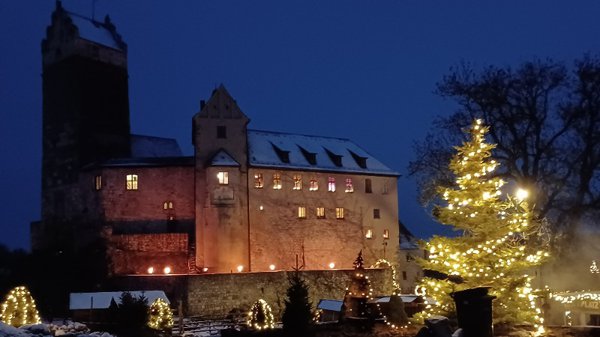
[{"x": 363, "y": 70}]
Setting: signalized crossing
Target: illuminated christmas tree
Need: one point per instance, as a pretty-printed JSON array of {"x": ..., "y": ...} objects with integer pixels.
[
  {"x": 19, "y": 308},
  {"x": 160, "y": 316},
  {"x": 497, "y": 247},
  {"x": 260, "y": 316},
  {"x": 358, "y": 294}
]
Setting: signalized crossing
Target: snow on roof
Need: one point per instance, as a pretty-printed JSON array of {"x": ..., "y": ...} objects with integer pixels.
[
  {"x": 153, "y": 147},
  {"x": 222, "y": 158},
  {"x": 284, "y": 150},
  {"x": 101, "y": 300},
  {"x": 405, "y": 299},
  {"x": 94, "y": 31},
  {"x": 331, "y": 305}
]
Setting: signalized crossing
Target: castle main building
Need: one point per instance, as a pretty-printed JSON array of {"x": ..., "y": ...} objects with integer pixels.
[{"x": 247, "y": 200}]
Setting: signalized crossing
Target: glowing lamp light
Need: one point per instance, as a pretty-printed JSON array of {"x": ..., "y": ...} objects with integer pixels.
[
  {"x": 522, "y": 194},
  {"x": 240, "y": 268},
  {"x": 167, "y": 270},
  {"x": 272, "y": 267},
  {"x": 260, "y": 208},
  {"x": 150, "y": 270},
  {"x": 331, "y": 265},
  {"x": 205, "y": 269}
]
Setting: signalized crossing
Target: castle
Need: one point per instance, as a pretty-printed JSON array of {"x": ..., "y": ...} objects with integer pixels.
[{"x": 246, "y": 201}]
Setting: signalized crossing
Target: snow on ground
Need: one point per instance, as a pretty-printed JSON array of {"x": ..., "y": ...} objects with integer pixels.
[{"x": 73, "y": 329}]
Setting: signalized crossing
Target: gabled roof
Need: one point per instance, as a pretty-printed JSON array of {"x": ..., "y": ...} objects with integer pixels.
[
  {"x": 293, "y": 151},
  {"x": 222, "y": 158},
  {"x": 331, "y": 305},
  {"x": 154, "y": 147},
  {"x": 221, "y": 105},
  {"x": 407, "y": 240},
  {"x": 101, "y": 300},
  {"x": 102, "y": 33}
]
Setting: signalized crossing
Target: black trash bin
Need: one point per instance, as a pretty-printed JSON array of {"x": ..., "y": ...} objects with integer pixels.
[{"x": 474, "y": 311}]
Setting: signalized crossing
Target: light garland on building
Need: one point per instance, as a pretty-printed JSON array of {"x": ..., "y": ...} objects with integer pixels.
[
  {"x": 160, "y": 316},
  {"x": 19, "y": 308},
  {"x": 260, "y": 316},
  {"x": 494, "y": 249},
  {"x": 594, "y": 268},
  {"x": 384, "y": 262}
]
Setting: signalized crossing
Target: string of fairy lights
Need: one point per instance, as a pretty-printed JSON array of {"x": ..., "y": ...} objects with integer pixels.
[
  {"x": 19, "y": 308},
  {"x": 160, "y": 316},
  {"x": 260, "y": 316},
  {"x": 494, "y": 249}
]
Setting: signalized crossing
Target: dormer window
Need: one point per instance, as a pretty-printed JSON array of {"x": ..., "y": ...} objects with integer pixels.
[{"x": 223, "y": 177}]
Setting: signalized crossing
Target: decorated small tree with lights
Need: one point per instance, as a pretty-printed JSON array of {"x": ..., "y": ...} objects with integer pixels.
[
  {"x": 19, "y": 308},
  {"x": 260, "y": 316},
  {"x": 160, "y": 316},
  {"x": 358, "y": 294},
  {"x": 497, "y": 248}
]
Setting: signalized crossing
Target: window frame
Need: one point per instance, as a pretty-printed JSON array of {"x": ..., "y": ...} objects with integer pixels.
[
  {"x": 132, "y": 182},
  {"x": 277, "y": 184},
  {"x": 301, "y": 212},
  {"x": 223, "y": 177},
  {"x": 331, "y": 184}
]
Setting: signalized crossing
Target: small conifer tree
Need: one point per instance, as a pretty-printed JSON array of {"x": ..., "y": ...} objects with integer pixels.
[
  {"x": 358, "y": 293},
  {"x": 396, "y": 316},
  {"x": 297, "y": 315}
]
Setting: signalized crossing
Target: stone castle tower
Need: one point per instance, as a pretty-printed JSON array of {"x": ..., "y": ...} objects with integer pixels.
[{"x": 85, "y": 109}]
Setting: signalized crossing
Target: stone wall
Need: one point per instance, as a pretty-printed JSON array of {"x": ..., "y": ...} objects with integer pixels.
[
  {"x": 134, "y": 254},
  {"x": 215, "y": 295}
]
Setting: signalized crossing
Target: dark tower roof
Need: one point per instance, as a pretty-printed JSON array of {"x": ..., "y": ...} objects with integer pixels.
[{"x": 74, "y": 34}]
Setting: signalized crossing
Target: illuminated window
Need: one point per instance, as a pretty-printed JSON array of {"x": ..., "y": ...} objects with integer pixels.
[
  {"x": 223, "y": 177},
  {"x": 386, "y": 233},
  {"x": 98, "y": 183},
  {"x": 331, "y": 184},
  {"x": 320, "y": 212},
  {"x": 276, "y": 181},
  {"x": 297, "y": 182},
  {"x": 376, "y": 214},
  {"x": 369, "y": 234},
  {"x": 302, "y": 212},
  {"x": 168, "y": 205},
  {"x": 132, "y": 182},
  {"x": 339, "y": 212},
  {"x": 258, "y": 180},
  {"x": 314, "y": 185},
  {"x": 368, "y": 188},
  {"x": 349, "y": 186}
]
